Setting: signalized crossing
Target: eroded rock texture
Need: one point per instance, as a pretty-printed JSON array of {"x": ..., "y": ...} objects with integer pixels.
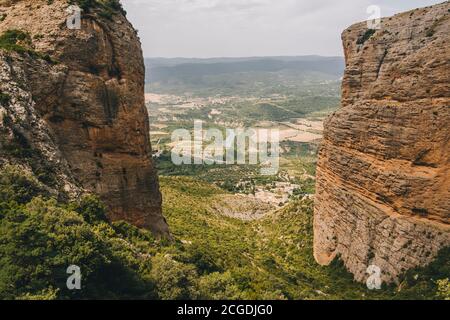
[
  {"x": 383, "y": 185},
  {"x": 83, "y": 106}
]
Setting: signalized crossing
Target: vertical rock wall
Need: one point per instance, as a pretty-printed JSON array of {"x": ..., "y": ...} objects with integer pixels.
[
  {"x": 383, "y": 181},
  {"x": 92, "y": 102}
]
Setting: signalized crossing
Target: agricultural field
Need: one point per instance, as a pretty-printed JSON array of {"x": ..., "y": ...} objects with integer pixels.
[{"x": 297, "y": 115}]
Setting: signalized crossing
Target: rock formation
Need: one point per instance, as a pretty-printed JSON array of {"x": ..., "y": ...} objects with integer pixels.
[
  {"x": 383, "y": 181},
  {"x": 76, "y": 98}
]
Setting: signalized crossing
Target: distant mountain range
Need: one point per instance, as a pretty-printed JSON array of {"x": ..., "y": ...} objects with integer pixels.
[
  {"x": 162, "y": 70},
  {"x": 244, "y": 76}
]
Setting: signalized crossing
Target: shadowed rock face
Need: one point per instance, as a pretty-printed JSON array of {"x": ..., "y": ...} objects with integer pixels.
[
  {"x": 92, "y": 103},
  {"x": 383, "y": 184}
]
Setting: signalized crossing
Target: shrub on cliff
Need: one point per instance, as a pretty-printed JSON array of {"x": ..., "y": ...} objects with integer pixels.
[
  {"x": 366, "y": 36},
  {"x": 40, "y": 238},
  {"x": 18, "y": 186},
  {"x": 15, "y": 40},
  {"x": 427, "y": 282},
  {"x": 108, "y": 7},
  {"x": 444, "y": 288},
  {"x": 219, "y": 286},
  {"x": 4, "y": 99},
  {"x": 20, "y": 41},
  {"x": 91, "y": 209},
  {"x": 174, "y": 280},
  {"x": 38, "y": 242}
]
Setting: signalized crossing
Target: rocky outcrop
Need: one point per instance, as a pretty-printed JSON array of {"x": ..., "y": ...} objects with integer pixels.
[
  {"x": 76, "y": 97},
  {"x": 383, "y": 179}
]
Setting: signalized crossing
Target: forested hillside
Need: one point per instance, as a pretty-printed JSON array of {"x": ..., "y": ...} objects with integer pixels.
[{"x": 211, "y": 257}]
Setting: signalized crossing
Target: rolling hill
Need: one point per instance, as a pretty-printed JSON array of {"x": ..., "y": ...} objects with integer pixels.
[{"x": 240, "y": 75}]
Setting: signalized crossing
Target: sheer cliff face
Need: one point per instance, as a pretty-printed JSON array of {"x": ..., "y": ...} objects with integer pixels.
[
  {"x": 383, "y": 185},
  {"x": 90, "y": 103}
]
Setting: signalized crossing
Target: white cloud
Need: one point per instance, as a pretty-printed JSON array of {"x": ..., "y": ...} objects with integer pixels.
[{"x": 206, "y": 28}]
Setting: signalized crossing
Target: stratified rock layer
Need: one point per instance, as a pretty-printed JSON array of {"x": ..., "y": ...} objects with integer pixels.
[
  {"x": 90, "y": 104},
  {"x": 383, "y": 179}
]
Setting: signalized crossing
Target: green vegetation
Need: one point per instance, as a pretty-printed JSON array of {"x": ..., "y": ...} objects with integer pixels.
[
  {"x": 91, "y": 209},
  {"x": 430, "y": 282},
  {"x": 268, "y": 93},
  {"x": 18, "y": 186},
  {"x": 444, "y": 288},
  {"x": 212, "y": 257},
  {"x": 20, "y": 42},
  {"x": 297, "y": 166},
  {"x": 4, "y": 99},
  {"x": 248, "y": 112},
  {"x": 107, "y": 7},
  {"x": 366, "y": 36},
  {"x": 40, "y": 238},
  {"x": 15, "y": 40},
  {"x": 270, "y": 258}
]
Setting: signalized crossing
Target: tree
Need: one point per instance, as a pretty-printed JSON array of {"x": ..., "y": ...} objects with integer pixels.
[
  {"x": 174, "y": 280},
  {"x": 444, "y": 289}
]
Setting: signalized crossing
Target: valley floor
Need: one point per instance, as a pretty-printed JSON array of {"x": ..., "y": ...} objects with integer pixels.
[
  {"x": 268, "y": 258},
  {"x": 212, "y": 256}
]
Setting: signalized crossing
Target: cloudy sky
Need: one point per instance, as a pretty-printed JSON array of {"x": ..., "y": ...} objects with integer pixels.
[{"x": 241, "y": 28}]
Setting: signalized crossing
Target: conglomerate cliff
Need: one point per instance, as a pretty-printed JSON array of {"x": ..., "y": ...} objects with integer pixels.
[
  {"x": 72, "y": 106},
  {"x": 383, "y": 178}
]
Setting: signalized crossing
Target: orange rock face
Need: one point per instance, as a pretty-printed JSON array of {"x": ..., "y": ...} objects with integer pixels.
[
  {"x": 383, "y": 184},
  {"x": 92, "y": 101}
]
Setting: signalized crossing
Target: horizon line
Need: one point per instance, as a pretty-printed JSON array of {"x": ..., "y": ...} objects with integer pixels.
[{"x": 246, "y": 57}]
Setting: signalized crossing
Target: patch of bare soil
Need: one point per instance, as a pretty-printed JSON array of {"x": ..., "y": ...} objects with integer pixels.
[{"x": 242, "y": 207}]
